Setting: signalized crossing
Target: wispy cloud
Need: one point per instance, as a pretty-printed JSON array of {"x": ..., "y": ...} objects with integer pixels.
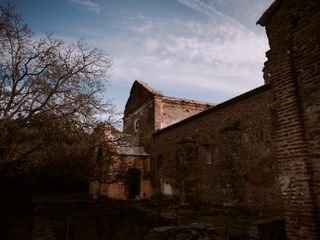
[
  {"x": 224, "y": 58},
  {"x": 89, "y": 4},
  {"x": 207, "y": 9},
  {"x": 217, "y": 56}
]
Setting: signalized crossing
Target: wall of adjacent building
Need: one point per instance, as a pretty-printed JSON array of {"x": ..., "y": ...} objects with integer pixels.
[
  {"x": 224, "y": 155},
  {"x": 140, "y": 122},
  {"x": 113, "y": 184},
  {"x": 148, "y": 111},
  {"x": 170, "y": 110},
  {"x": 293, "y": 69}
]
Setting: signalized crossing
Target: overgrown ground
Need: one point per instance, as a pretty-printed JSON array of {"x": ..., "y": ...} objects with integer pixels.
[{"x": 77, "y": 217}]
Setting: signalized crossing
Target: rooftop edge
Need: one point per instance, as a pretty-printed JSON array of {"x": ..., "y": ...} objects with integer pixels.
[
  {"x": 269, "y": 12},
  {"x": 229, "y": 102}
]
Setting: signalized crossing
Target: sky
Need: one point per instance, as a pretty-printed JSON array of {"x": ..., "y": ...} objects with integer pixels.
[{"x": 207, "y": 50}]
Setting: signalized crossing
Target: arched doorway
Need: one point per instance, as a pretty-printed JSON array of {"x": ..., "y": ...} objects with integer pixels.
[{"x": 132, "y": 183}]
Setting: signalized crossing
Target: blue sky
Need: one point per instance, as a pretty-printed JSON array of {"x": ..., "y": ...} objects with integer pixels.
[{"x": 208, "y": 50}]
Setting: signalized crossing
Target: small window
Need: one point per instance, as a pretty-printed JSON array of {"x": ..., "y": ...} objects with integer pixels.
[
  {"x": 205, "y": 154},
  {"x": 159, "y": 160},
  {"x": 99, "y": 155},
  {"x": 136, "y": 124}
]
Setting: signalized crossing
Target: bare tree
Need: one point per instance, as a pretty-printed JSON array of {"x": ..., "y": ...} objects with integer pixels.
[
  {"x": 106, "y": 165},
  {"x": 43, "y": 80}
]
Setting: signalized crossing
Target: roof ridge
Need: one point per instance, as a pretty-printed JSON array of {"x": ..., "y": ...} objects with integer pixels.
[
  {"x": 219, "y": 106},
  {"x": 146, "y": 85},
  {"x": 189, "y": 100},
  {"x": 155, "y": 92}
]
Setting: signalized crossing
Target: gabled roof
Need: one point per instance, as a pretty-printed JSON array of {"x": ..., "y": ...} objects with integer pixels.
[
  {"x": 140, "y": 93},
  {"x": 187, "y": 101},
  {"x": 147, "y": 87},
  {"x": 269, "y": 12}
]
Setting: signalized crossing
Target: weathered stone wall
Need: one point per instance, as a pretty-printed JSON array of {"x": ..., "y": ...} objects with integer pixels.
[
  {"x": 223, "y": 155},
  {"x": 140, "y": 93},
  {"x": 170, "y": 110},
  {"x": 147, "y": 111},
  {"x": 293, "y": 69},
  {"x": 113, "y": 184},
  {"x": 141, "y": 123}
]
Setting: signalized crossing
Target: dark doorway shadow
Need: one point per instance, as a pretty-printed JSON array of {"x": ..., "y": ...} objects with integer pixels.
[{"x": 132, "y": 183}]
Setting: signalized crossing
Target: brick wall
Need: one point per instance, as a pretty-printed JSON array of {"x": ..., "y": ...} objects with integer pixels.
[
  {"x": 172, "y": 110},
  {"x": 223, "y": 155},
  {"x": 147, "y": 111},
  {"x": 293, "y": 69},
  {"x": 141, "y": 122}
]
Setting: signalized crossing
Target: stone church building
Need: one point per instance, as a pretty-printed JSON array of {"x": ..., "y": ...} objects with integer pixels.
[{"x": 259, "y": 151}]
